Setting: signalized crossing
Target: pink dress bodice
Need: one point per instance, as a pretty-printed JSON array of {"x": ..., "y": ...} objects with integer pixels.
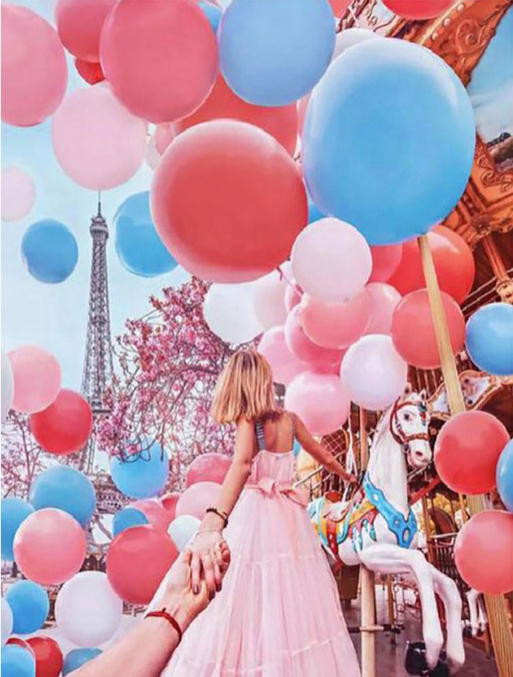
[{"x": 273, "y": 465}]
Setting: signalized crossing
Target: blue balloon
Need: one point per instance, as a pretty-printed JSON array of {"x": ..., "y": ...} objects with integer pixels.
[
  {"x": 30, "y": 606},
  {"x": 77, "y": 658},
  {"x": 67, "y": 489},
  {"x": 314, "y": 213},
  {"x": 138, "y": 244},
  {"x": 141, "y": 475},
  {"x": 505, "y": 476},
  {"x": 50, "y": 251},
  {"x": 126, "y": 518},
  {"x": 388, "y": 141},
  {"x": 212, "y": 13},
  {"x": 274, "y": 52},
  {"x": 14, "y": 511},
  {"x": 17, "y": 662},
  {"x": 489, "y": 340}
]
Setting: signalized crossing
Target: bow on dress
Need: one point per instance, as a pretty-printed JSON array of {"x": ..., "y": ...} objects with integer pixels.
[{"x": 272, "y": 488}]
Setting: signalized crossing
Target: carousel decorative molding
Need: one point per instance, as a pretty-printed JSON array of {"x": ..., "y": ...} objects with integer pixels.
[{"x": 478, "y": 388}]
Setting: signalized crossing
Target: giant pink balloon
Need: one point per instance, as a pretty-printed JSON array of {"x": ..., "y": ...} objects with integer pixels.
[
  {"x": 160, "y": 57},
  {"x": 37, "y": 378},
  {"x": 196, "y": 499},
  {"x": 80, "y": 23},
  {"x": 97, "y": 141},
  {"x": 285, "y": 365},
  {"x": 155, "y": 513},
  {"x": 319, "y": 400},
  {"x": 208, "y": 468},
  {"x": 385, "y": 261},
  {"x": 49, "y": 546},
  {"x": 318, "y": 358},
  {"x": 336, "y": 325},
  {"x": 384, "y": 299},
  {"x": 34, "y": 70}
]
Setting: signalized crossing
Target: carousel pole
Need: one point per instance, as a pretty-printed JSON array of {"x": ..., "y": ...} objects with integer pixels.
[{"x": 495, "y": 605}]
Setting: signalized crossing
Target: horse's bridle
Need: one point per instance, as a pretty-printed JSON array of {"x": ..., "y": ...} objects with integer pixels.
[{"x": 398, "y": 433}]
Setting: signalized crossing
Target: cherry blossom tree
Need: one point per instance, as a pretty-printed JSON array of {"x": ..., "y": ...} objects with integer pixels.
[{"x": 22, "y": 457}]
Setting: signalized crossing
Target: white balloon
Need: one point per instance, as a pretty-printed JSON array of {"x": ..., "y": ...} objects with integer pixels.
[
  {"x": 18, "y": 194},
  {"x": 7, "y": 621},
  {"x": 229, "y": 312},
  {"x": 182, "y": 529},
  {"x": 350, "y": 37},
  {"x": 7, "y": 386},
  {"x": 87, "y": 610},
  {"x": 269, "y": 297}
]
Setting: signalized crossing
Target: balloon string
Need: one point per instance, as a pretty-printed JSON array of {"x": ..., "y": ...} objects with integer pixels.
[{"x": 290, "y": 283}]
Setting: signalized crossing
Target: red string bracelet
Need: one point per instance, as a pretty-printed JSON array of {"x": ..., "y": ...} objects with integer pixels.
[{"x": 164, "y": 614}]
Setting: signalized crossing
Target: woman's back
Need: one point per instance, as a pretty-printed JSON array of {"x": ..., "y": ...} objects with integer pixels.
[{"x": 274, "y": 458}]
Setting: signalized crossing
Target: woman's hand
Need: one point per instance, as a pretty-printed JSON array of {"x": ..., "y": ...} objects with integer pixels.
[{"x": 208, "y": 560}]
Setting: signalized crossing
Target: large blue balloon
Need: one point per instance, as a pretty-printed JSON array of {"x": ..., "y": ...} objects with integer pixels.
[
  {"x": 314, "y": 213},
  {"x": 17, "y": 662},
  {"x": 273, "y": 52},
  {"x": 490, "y": 338},
  {"x": 14, "y": 511},
  {"x": 76, "y": 658},
  {"x": 388, "y": 141},
  {"x": 30, "y": 606},
  {"x": 67, "y": 489},
  {"x": 141, "y": 475},
  {"x": 138, "y": 244},
  {"x": 212, "y": 13},
  {"x": 127, "y": 518},
  {"x": 505, "y": 476},
  {"x": 50, "y": 251}
]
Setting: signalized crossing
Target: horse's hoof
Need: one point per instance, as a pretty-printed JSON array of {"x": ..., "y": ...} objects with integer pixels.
[
  {"x": 442, "y": 668},
  {"x": 415, "y": 662},
  {"x": 468, "y": 632}
]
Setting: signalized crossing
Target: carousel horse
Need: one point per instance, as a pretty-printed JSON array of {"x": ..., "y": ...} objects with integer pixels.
[
  {"x": 377, "y": 527},
  {"x": 478, "y": 620}
]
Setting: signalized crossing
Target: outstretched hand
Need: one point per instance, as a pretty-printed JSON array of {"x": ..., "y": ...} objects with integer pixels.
[{"x": 210, "y": 559}]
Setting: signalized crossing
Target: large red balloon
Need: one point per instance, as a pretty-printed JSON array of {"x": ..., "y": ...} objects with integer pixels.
[
  {"x": 160, "y": 58},
  {"x": 65, "y": 426},
  {"x": 484, "y": 553},
  {"x": 454, "y": 264},
  {"x": 208, "y": 468},
  {"x": 385, "y": 261},
  {"x": 467, "y": 451},
  {"x": 418, "y": 9},
  {"x": 278, "y": 121},
  {"x": 228, "y": 201},
  {"x": 90, "y": 71},
  {"x": 80, "y": 24},
  {"x": 137, "y": 561},
  {"x": 413, "y": 331},
  {"x": 48, "y": 654}
]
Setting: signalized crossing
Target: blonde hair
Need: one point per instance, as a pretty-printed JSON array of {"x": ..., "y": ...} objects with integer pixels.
[{"x": 245, "y": 389}]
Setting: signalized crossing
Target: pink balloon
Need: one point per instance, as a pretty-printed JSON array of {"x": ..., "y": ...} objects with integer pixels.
[
  {"x": 384, "y": 299},
  {"x": 208, "y": 468},
  {"x": 80, "y": 24},
  {"x": 164, "y": 134},
  {"x": 284, "y": 363},
  {"x": 336, "y": 325},
  {"x": 385, "y": 261},
  {"x": 293, "y": 296},
  {"x": 269, "y": 298},
  {"x": 49, "y": 547},
  {"x": 155, "y": 513},
  {"x": 37, "y": 379},
  {"x": 160, "y": 57},
  {"x": 196, "y": 499},
  {"x": 34, "y": 69},
  {"x": 319, "y": 400},
  {"x": 318, "y": 358},
  {"x": 97, "y": 141},
  {"x": 169, "y": 503},
  {"x": 18, "y": 194}
]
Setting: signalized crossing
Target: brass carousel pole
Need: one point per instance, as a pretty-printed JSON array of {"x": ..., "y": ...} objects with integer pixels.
[{"x": 495, "y": 605}]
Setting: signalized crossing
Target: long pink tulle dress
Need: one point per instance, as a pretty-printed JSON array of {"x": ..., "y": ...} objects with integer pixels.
[{"x": 278, "y": 614}]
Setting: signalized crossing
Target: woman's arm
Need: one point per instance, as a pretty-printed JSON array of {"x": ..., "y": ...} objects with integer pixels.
[{"x": 320, "y": 453}]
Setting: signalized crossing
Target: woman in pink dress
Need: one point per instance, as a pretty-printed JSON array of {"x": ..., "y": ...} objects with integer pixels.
[{"x": 279, "y": 613}]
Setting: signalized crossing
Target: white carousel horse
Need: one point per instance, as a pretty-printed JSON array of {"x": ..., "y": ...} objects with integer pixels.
[
  {"x": 478, "y": 620},
  {"x": 378, "y": 529}
]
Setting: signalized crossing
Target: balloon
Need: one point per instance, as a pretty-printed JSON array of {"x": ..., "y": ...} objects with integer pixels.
[
  {"x": 284, "y": 364},
  {"x": 7, "y": 620},
  {"x": 30, "y": 606},
  {"x": 385, "y": 261},
  {"x": 208, "y": 468},
  {"x": 154, "y": 512},
  {"x": 253, "y": 201},
  {"x": 17, "y": 661},
  {"x": 65, "y": 488},
  {"x": 50, "y": 251},
  {"x": 89, "y": 71},
  {"x": 273, "y": 53},
  {"x": 22, "y": 643},
  {"x": 182, "y": 529},
  {"x": 483, "y": 552},
  {"x": 37, "y": 378},
  {"x": 79, "y": 25},
  {"x": 14, "y": 512},
  {"x": 331, "y": 261},
  {"x": 269, "y": 299},
  {"x": 127, "y": 518},
  {"x": 313, "y": 212},
  {"x": 467, "y": 451},
  {"x": 96, "y": 140},
  {"x": 320, "y": 400},
  {"x": 170, "y": 501},
  {"x": 293, "y": 296},
  {"x": 143, "y": 475},
  {"x": 212, "y": 13},
  {"x": 230, "y": 314},
  {"x": 490, "y": 338},
  {"x": 18, "y": 194},
  {"x": 65, "y": 426},
  {"x": 340, "y": 7},
  {"x": 34, "y": 70},
  {"x": 279, "y": 121},
  {"x": 336, "y": 326},
  {"x": 384, "y": 300},
  {"x": 454, "y": 265},
  {"x": 76, "y": 658},
  {"x": 349, "y": 37},
  {"x": 164, "y": 134},
  {"x": 505, "y": 476},
  {"x": 413, "y": 9},
  {"x": 160, "y": 58},
  {"x": 49, "y": 659},
  {"x": 302, "y": 105},
  {"x": 87, "y": 610},
  {"x": 196, "y": 499},
  {"x": 7, "y": 386},
  {"x": 413, "y": 331},
  {"x": 317, "y": 358},
  {"x": 395, "y": 189},
  {"x": 43, "y": 534},
  {"x": 137, "y": 561}
]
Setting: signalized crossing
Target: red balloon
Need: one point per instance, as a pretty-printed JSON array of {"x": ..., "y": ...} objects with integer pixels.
[
  {"x": 340, "y": 7},
  {"x": 318, "y": 358},
  {"x": 484, "y": 554},
  {"x": 48, "y": 654},
  {"x": 160, "y": 58},
  {"x": 65, "y": 426},
  {"x": 413, "y": 332},
  {"x": 163, "y": 136},
  {"x": 208, "y": 468},
  {"x": 228, "y": 201},
  {"x": 336, "y": 326},
  {"x": 278, "y": 121},
  {"x": 90, "y": 71},
  {"x": 385, "y": 261},
  {"x": 467, "y": 451},
  {"x": 418, "y": 9},
  {"x": 21, "y": 642},
  {"x": 154, "y": 512},
  {"x": 454, "y": 264},
  {"x": 137, "y": 561},
  {"x": 79, "y": 25},
  {"x": 169, "y": 502}
]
